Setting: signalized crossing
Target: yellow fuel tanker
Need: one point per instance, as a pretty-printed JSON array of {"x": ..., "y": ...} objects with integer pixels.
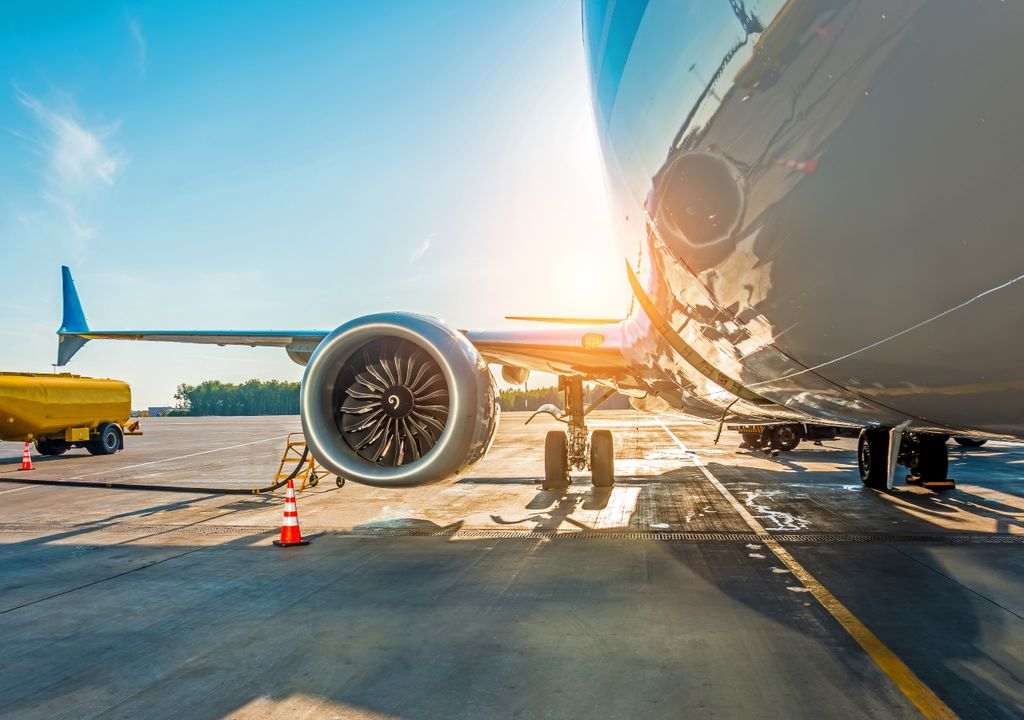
[{"x": 63, "y": 411}]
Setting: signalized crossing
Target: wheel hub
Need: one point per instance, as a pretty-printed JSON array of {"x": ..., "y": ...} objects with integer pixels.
[{"x": 398, "y": 401}]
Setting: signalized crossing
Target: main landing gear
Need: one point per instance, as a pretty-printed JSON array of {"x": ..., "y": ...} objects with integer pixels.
[
  {"x": 923, "y": 454},
  {"x": 574, "y": 447}
]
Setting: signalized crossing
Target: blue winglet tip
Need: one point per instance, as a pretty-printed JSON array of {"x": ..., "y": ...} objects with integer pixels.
[{"x": 73, "y": 320}]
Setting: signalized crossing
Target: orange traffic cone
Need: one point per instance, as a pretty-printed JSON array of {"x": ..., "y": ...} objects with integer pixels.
[
  {"x": 290, "y": 533},
  {"x": 26, "y": 459}
]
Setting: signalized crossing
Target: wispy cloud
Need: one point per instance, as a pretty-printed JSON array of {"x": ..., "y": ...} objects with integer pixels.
[
  {"x": 420, "y": 251},
  {"x": 135, "y": 30},
  {"x": 77, "y": 161},
  {"x": 78, "y": 157},
  {"x": 80, "y": 229}
]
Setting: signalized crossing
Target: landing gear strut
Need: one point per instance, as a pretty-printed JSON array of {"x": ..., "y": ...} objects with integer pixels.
[{"x": 575, "y": 447}]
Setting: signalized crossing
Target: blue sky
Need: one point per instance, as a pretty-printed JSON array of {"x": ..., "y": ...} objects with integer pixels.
[{"x": 291, "y": 165}]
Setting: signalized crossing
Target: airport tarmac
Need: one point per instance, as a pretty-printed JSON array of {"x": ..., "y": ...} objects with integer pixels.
[{"x": 710, "y": 582}]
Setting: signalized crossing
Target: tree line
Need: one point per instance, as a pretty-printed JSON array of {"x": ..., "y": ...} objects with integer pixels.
[
  {"x": 253, "y": 397},
  {"x": 274, "y": 397},
  {"x": 520, "y": 399}
]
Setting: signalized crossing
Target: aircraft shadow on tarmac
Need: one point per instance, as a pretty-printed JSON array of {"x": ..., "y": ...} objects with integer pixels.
[
  {"x": 1005, "y": 518},
  {"x": 416, "y": 525}
]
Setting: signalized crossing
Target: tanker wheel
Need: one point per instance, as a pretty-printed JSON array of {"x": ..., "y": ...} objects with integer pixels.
[
  {"x": 110, "y": 440},
  {"x": 751, "y": 440},
  {"x": 786, "y": 437},
  {"x": 51, "y": 447},
  {"x": 340, "y": 481}
]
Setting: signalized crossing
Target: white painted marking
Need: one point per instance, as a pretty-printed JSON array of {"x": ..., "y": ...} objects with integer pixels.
[
  {"x": 26, "y": 487},
  {"x": 177, "y": 457}
]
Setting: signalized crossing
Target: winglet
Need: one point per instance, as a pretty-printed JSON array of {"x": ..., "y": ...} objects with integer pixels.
[{"x": 73, "y": 322}]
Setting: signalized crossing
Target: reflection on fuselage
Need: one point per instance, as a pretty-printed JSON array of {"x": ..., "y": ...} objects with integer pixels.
[{"x": 825, "y": 210}]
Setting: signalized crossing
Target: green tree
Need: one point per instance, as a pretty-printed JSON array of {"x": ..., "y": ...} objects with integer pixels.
[{"x": 253, "y": 397}]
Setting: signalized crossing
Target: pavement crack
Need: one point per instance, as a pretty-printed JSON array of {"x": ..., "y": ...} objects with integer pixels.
[
  {"x": 126, "y": 572},
  {"x": 101, "y": 580},
  {"x": 953, "y": 580}
]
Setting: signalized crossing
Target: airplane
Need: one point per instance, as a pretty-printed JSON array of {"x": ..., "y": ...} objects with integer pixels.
[{"x": 840, "y": 245}]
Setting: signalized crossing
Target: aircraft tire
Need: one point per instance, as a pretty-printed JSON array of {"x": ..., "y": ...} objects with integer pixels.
[
  {"x": 602, "y": 459},
  {"x": 556, "y": 461},
  {"x": 873, "y": 457},
  {"x": 933, "y": 459}
]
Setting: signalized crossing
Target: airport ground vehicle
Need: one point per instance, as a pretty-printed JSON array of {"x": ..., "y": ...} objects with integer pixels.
[
  {"x": 785, "y": 436},
  {"x": 59, "y": 412},
  {"x": 828, "y": 249}
]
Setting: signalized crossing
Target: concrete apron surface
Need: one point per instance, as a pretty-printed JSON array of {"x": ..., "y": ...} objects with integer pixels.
[{"x": 670, "y": 594}]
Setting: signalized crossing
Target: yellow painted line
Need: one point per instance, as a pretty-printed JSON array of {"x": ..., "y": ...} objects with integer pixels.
[{"x": 923, "y": 698}]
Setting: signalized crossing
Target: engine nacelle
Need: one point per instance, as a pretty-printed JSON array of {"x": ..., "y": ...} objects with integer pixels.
[{"x": 397, "y": 399}]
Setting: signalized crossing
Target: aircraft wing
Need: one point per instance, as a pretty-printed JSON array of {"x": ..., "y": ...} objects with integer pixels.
[
  {"x": 74, "y": 331},
  {"x": 301, "y": 341},
  {"x": 587, "y": 349}
]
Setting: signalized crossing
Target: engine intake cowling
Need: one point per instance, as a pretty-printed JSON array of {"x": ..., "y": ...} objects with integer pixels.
[{"x": 397, "y": 399}]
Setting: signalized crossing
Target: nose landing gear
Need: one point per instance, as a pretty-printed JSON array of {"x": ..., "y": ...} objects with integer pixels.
[{"x": 575, "y": 447}]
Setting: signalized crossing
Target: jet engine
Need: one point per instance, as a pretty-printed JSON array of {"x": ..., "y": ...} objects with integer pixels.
[{"x": 397, "y": 399}]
